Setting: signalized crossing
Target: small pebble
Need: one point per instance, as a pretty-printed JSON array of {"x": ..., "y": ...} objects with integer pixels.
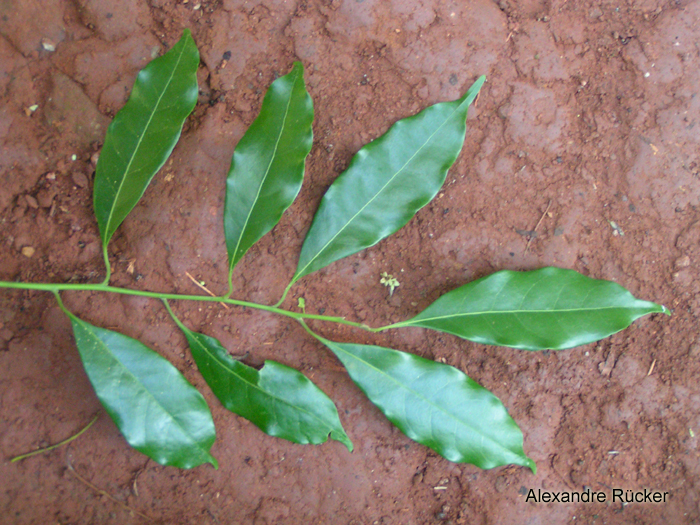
[
  {"x": 31, "y": 109},
  {"x": 683, "y": 262},
  {"x": 694, "y": 350},
  {"x": 45, "y": 197},
  {"x": 501, "y": 484},
  {"x": 28, "y": 251},
  {"x": 79, "y": 179},
  {"x": 48, "y": 45},
  {"x": 94, "y": 158},
  {"x": 31, "y": 201}
]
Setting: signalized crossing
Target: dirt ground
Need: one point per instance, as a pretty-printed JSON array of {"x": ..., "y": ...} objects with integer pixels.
[{"x": 581, "y": 153}]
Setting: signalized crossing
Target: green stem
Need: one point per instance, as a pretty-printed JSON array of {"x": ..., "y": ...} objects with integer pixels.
[
  {"x": 230, "y": 285},
  {"x": 172, "y": 314},
  {"x": 306, "y": 327},
  {"x": 400, "y": 324},
  {"x": 57, "y": 295},
  {"x": 64, "y": 442},
  {"x": 56, "y": 288},
  {"x": 284, "y": 294},
  {"x": 108, "y": 266}
]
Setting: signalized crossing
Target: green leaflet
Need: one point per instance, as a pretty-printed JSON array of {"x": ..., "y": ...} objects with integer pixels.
[
  {"x": 156, "y": 409},
  {"x": 279, "y": 400},
  {"x": 144, "y": 132},
  {"x": 550, "y": 308},
  {"x": 267, "y": 168},
  {"x": 435, "y": 405},
  {"x": 387, "y": 182}
]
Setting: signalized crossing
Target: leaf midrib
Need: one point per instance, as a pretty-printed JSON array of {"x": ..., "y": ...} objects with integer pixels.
[
  {"x": 223, "y": 365},
  {"x": 301, "y": 272},
  {"x": 138, "y": 143},
  {"x": 509, "y": 312},
  {"x": 105, "y": 348},
  {"x": 267, "y": 172},
  {"x": 420, "y": 396}
]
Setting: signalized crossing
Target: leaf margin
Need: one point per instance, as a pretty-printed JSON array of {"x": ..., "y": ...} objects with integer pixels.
[
  {"x": 305, "y": 107},
  {"x": 306, "y": 268},
  {"x": 222, "y": 358},
  {"x": 160, "y": 457},
  {"x": 105, "y": 212},
  {"x": 643, "y": 307},
  {"x": 488, "y": 463}
]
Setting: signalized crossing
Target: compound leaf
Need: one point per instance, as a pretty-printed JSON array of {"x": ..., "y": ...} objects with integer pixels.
[
  {"x": 279, "y": 400},
  {"x": 387, "y": 182},
  {"x": 144, "y": 132},
  {"x": 550, "y": 308},
  {"x": 435, "y": 405},
  {"x": 267, "y": 168},
  {"x": 156, "y": 409}
]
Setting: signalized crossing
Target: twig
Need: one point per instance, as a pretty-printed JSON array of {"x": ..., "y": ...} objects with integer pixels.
[
  {"x": 107, "y": 495},
  {"x": 538, "y": 225},
  {"x": 135, "y": 489},
  {"x": 651, "y": 368},
  {"x": 200, "y": 285},
  {"x": 64, "y": 442}
]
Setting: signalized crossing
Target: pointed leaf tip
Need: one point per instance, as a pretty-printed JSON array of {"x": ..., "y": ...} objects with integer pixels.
[
  {"x": 436, "y": 405},
  {"x": 549, "y": 308},
  {"x": 279, "y": 400},
  {"x": 267, "y": 168},
  {"x": 387, "y": 182},
  {"x": 144, "y": 132}
]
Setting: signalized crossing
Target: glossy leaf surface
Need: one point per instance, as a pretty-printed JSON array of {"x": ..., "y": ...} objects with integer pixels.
[
  {"x": 267, "y": 168},
  {"x": 279, "y": 400},
  {"x": 156, "y": 409},
  {"x": 436, "y": 405},
  {"x": 387, "y": 182},
  {"x": 550, "y": 308},
  {"x": 144, "y": 132}
]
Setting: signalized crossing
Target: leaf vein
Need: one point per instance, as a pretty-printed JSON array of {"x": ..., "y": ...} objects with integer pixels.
[
  {"x": 274, "y": 398},
  {"x": 267, "y": 172},
  {"x": 99, "y": 344},
  {"x": 391, "y": 179},
  {"x": 140, "y": 140},
  {"x": 420, "y": 396}
]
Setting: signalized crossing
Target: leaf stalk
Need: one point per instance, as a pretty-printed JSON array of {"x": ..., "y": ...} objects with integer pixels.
[{"x": 108, "y": 266}]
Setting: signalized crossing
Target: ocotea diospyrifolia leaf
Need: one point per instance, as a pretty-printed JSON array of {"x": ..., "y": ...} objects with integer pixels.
[
  {"x": 267, "y": 168},
  {"x": 387, "y": 182},
  {"x": 144, "y": 132}
]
